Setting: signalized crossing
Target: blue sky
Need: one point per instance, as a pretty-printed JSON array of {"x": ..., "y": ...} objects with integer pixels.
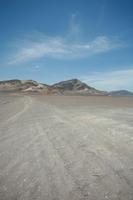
[{"x": 54, "y": 40}]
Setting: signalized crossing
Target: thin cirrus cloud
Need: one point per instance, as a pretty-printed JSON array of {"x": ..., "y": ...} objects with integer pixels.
[
  {"x": 59, "y": 48},
  {"x": 75, "y": 29},
  {"x": 114, "y": 80}
]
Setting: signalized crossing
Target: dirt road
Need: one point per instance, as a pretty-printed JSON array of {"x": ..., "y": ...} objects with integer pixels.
[{"x": 66, "y": 148}]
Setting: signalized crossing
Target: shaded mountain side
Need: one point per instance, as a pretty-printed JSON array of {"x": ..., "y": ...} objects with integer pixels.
[
  {"x": 75, "y": 86},
  {"x": 121, "y": 93}
]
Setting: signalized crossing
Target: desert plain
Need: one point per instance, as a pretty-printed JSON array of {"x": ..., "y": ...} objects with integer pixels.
[{"x": 66, "y": 147}]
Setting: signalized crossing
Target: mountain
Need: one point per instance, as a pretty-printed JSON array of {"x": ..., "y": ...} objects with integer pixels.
[
  {"x": 121, "y": 93},
  {"x": 70, "y": 87},
  {"x": 76, "y": 87},
  {"x": 26, "y": 86}
]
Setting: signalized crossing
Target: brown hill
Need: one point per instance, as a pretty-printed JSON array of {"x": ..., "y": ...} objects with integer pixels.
[
  {"x": 27, "y": 86},
  {"x": 76, "y": 87},
  {"x": 70, "y": 87}
]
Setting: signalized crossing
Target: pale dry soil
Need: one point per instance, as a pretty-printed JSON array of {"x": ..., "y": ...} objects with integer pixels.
[{"x": 66, "y": 148}]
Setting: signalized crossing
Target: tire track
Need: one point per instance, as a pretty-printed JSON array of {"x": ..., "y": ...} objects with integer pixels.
[{"x": 18, "y": 114}]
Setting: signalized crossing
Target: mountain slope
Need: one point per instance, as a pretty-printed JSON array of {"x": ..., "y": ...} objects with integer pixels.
[
  {"x": 75, "y": 87},
  {"x": 26, "y": 86}
]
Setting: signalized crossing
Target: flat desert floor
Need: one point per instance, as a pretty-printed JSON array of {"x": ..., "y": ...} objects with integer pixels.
[{"x": 66, "y": 148}]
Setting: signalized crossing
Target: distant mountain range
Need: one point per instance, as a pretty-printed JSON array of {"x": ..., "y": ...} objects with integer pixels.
[
  {"x": 121, "y": 93},
  {"x": 69, "y": 87}
]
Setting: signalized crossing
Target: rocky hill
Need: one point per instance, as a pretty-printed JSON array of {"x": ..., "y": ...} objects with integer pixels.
[
  {"x": 26, "y": 86},
  {"x": 76, "y": 87}
]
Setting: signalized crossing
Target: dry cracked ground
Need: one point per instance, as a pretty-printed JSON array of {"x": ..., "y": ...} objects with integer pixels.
[{"x": 66, "y": 148}]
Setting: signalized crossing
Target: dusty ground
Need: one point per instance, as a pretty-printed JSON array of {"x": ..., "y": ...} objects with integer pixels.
[{"x": 66, "y": 148}]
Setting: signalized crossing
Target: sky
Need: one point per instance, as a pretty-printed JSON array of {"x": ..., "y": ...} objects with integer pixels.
[{"x": 55, "y": 40}]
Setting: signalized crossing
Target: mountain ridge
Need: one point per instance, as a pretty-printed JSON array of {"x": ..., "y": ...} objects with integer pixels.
[{"x": 68, "y": 87}]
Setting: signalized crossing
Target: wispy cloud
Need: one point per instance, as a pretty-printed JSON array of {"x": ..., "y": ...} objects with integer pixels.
[
  {"x": 58, "y": 48},
  {"x": 37, "y": 66},
  {"x": 114, "y": 80},
  {"x": 75, "y": 26},
  {"x": 37, "y": 45}
]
